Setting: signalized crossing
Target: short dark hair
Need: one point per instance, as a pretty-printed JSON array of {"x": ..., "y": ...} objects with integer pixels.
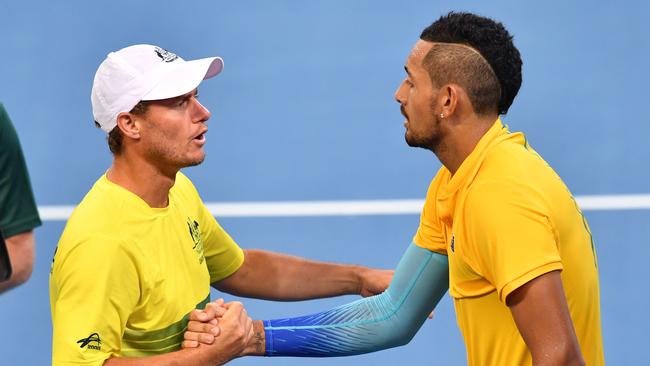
[
  {"x": 455, "y": 63},
  {"x": 491, "y": 39},
  {"x": 115, "y": 137}
]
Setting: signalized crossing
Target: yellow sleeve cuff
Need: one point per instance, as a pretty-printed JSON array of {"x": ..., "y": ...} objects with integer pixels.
[
  {"x": 527, "y": 277},
  {"x": 224, "y": 272}
]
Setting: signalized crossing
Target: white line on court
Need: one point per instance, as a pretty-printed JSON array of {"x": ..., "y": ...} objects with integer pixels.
[{"x": 361, "y": 207}]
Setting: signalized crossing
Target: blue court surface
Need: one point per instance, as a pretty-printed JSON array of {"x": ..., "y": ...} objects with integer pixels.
[{"x": 304, "y": 111}]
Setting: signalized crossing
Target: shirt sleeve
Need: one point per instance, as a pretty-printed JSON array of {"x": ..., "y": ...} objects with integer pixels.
[
  {"x": 511, "y": 238},
  {"x": 431, "y": 232},
  {"x": 222, "y": 255},
  {"x": 95, "y": 288},
  {"x": 18, "y": 211}
]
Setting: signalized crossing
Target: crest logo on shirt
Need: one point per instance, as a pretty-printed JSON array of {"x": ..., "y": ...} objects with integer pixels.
[
  {"x": 195, "y": 234},
  {"x": 91, "y": 342},
  {"x": 452, "y": 242}
]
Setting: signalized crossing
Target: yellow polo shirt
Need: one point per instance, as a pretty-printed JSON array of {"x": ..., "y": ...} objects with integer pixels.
[
  {"x": 125, "y": 276},
  {"x": 504, "y": 218}
]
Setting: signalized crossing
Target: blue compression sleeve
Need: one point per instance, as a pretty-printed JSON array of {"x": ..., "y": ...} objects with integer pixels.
[{"x": 371, "y": 324}]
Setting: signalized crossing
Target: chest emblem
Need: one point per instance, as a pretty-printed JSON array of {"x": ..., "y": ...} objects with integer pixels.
[{"x": 195, "y": 234}]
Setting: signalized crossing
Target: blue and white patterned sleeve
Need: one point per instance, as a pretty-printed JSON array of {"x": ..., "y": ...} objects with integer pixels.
[{"x": 370, "y": 324}]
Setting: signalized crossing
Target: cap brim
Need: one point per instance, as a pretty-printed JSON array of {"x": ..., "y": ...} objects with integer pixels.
[{"x": 185, "y": 77}]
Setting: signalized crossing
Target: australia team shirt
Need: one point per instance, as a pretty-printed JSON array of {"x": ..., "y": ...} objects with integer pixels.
[
  {"x": 125, "y": 276},
  {"x": 503, "y": 219}
]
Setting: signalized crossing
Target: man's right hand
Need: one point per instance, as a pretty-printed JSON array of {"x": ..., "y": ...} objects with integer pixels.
[
  {"x": 203, "y": 324},
  {"x": 234, "y": 336},
  {"x": 201, "y": 330}
]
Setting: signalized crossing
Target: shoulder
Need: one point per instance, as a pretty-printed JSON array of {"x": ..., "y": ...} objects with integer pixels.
[
  {"x": 184, "y": 185},
  {"x": 3, "y": 114},
  {"x": 515, "y": 159},
  {"x": 184, "y": 191},
  {"x": 182, "y": 181},
  {"x": 91, "y": 252},
  {"x": 8, "y": 136},
  {"x": 100, "y": 212},
  {"x": 441, "y": 177},
  {"x": 512, "y": 168}
]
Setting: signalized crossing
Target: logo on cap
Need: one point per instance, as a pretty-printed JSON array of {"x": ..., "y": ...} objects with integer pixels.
[{"x": 165, "y": 55}]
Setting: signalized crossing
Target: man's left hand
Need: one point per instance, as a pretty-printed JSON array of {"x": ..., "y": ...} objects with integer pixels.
[{"x": 374, "y": 281}]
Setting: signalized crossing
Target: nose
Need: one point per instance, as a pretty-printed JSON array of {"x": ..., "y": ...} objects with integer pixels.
[
  {"x": 399, "y": 93},
  {"x": 201, "y": 114}
]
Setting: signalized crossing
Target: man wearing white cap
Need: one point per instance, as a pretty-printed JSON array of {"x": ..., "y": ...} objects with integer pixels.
[{"x": 141, "y": 250}]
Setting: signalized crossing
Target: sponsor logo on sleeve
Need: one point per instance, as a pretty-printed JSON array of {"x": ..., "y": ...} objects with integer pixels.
[{"x": 91, "y": 342}]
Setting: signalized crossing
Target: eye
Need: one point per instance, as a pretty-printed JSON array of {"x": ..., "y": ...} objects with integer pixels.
[{"x": 183, "y": 101}]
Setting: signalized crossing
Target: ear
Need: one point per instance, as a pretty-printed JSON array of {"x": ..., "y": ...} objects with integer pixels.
[
  {"x": 448, "y": 99},
  {"x": 129, "y": 125}
]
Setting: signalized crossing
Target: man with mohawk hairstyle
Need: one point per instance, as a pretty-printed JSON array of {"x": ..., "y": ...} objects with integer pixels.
[{"x": 499, "y": 228}]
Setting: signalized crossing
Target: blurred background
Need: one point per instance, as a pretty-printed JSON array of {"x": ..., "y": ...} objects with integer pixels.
[{"x": 304, "y": 111}]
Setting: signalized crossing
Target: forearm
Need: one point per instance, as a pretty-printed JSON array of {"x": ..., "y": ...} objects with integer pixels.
[
  {"x": 379, "y": 322},
  {"x": 257, "y": 344},
  {"x": 185, "y": 357},
  {"x": 21, "y": 254},
  {"x": 282, "y": 277}
]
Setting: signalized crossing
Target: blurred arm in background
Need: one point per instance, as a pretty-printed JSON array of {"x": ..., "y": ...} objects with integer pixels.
[{"x": 18, "y": 211}]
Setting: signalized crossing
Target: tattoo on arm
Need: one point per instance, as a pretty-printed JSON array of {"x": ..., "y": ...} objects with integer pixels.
[{"x": 259, "y": 342}]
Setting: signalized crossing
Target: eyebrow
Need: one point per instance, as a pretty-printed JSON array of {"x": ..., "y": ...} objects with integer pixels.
[
  {"x": 181, "y": 97},
  {"x": 187, "y": 95}
]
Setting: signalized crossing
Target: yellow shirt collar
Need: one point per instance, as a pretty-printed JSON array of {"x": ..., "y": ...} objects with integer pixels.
[{"x": 446, "y": 200}]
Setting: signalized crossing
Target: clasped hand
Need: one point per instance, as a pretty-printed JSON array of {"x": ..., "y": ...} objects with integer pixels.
[{"x": 227, "y": 321}]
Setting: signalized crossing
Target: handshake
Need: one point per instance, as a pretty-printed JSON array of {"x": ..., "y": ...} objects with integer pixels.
[{"x": 225, "y": 331}]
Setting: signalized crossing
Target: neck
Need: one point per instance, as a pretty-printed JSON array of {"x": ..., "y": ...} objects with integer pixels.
[
  {"x": 142, "y": 178},
  {"x": 461, "y": 139}
]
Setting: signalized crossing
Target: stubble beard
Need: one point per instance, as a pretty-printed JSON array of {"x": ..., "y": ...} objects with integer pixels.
[
  {"x": 430, "y": 142},
  {"x": 195, "y": 162},
  {"x": 172, "y": 158}
]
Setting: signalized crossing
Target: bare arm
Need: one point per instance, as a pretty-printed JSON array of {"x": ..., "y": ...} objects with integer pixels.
[
  {"x": 276, "y": 276},
  {"x": 366, "y": 325},
  {"x": 541, "y": 313},
  {"x": 182, "y": 357},
  {"x": 21, "y": 253}
]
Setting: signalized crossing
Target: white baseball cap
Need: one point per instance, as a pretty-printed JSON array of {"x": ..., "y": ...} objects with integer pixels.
[{"x": 144, "y": 72}]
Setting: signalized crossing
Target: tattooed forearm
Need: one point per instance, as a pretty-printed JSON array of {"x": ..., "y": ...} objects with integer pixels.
[{"x": 259, "y": 342}]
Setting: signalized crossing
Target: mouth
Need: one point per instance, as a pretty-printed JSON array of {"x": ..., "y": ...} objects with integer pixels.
[
  {"x": 200, "y": 138},
  {"x": 406, "y": 118}
]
